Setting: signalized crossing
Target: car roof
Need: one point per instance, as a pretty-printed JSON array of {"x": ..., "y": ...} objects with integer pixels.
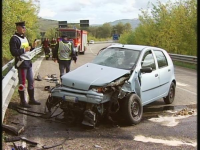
[{"x": 133, "y": 47}]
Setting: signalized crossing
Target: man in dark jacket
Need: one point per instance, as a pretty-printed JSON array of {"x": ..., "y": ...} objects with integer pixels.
[
  {"x": 46, "y": 48},
  {"x": 53, "y": 45},
  {"x": 63, "y": 54},
  {"x": 20, "y": 49}
]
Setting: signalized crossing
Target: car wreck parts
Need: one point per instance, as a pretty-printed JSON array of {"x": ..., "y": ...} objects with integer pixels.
[{"x": 121, "y": 101}]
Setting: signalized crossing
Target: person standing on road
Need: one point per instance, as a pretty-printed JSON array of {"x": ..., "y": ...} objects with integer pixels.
[
  {"x": 45, "y": 46},
  {"x": 20, "y": 49},
  {"x": 53, "y": 45},
  {"x": 63, "y": 54}
]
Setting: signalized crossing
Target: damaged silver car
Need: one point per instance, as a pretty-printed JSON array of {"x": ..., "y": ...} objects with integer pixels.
[{"x": 122, "y": 78}]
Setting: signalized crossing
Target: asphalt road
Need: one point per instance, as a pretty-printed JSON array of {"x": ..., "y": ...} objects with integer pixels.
[{"x": 159, "y": 129}]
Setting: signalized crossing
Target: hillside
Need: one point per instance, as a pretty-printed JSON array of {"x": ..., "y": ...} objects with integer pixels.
[
  {"x": 45, "y": 24},
  {"x": 134, "y": 22}
]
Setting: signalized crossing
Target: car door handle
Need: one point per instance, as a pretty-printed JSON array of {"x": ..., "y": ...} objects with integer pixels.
[
  {"x": 156, "y": 75},
  {"x": 169, "y": 70}
]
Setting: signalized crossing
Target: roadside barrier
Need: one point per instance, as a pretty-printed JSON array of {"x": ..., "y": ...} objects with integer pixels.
[
  {"x": 10, "y": 81},
  {"x": 184, "y": 58}
]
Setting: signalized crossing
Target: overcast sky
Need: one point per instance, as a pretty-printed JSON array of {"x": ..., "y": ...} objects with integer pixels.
[{"x": 96, "y": 11}]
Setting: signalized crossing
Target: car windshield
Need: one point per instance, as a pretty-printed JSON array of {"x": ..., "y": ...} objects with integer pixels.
[{"x": 117, "y": 58}]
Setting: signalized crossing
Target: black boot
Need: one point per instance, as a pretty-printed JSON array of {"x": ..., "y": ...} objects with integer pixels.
[
  {"x": 23, "y": 102},
  {"x": 32, "y": 100}
]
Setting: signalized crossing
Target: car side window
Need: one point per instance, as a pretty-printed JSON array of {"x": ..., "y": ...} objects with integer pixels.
[
  {"x": 148, "y": 60},
  {"x": 161, "y": 58}
]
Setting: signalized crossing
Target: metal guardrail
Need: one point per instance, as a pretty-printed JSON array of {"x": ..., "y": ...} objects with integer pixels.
[
  {"x": 174, "y": 57},
  {"x": 184, "y": 58},
  {"x": 10, "y": 81}
]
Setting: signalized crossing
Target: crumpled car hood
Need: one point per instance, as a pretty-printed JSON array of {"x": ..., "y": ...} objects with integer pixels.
[{"x": 91, "y": 74}]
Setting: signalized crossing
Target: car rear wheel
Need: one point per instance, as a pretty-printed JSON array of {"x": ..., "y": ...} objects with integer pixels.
[
  {"x": 132, "y": 109},
  {"x": 170, "y": 97}
]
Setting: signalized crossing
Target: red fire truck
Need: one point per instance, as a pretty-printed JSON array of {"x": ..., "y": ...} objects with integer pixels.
[{"x": 79, "y": 38}]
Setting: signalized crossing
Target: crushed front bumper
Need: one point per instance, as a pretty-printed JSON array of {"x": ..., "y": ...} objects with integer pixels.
[{"x": 75, "y": 95}]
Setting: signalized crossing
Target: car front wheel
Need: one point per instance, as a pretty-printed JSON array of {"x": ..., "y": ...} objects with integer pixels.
[
  {"x": 170, "y": 97},
  {"x": 133, "y": 109}
]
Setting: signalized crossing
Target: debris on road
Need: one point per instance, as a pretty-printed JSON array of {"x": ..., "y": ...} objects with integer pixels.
[
  {"x": 97, "y": 146},
  {"x": 19, "y": 146},
  {"x": 184, "y": 112},
  {"x": 47, "y": 88},
  {"x": 38, "y": 78},
  {"x": 18, "y": 138},
  {"x": 12, "y": 129},
  {"x": 52, "y": 146}
]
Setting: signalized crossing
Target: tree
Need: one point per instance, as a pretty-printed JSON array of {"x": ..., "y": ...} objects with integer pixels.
[
  {"x": 106, "y": 30},
  {"x": 172, "y": 26},
  {"x": 119, "y": 28},
  {"x": 15, "y": 11},
  {"x": 50, "y": 33},
  {"x": 127, "y": 27}
]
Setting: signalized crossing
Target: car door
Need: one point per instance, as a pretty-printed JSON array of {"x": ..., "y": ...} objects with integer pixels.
[
  {"x": 149, "y": 81},
  {"x": 165, "y": 71}
]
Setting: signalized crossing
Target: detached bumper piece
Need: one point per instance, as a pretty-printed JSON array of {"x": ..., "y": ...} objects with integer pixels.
[{"x": 89, "y": 118}]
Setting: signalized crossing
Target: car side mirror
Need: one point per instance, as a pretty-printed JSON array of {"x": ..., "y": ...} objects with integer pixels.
[{"x": 146, "y": 70}]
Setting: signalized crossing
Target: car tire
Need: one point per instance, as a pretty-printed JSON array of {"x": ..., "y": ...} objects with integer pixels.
[
  {"x": 171, "y": 94},
  {"x": 132, "y": 109}
]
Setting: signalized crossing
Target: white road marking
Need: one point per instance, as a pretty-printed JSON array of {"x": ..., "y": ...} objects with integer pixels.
[
  {"x": 181, "y": 84},
  {"x": 187, "y": 90},
  {"x": 172, "y": 142},
  {"x": 92, "y": 51}
]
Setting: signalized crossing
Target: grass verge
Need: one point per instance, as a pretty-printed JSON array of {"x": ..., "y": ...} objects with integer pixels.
[{"x": 185, "y": 65}]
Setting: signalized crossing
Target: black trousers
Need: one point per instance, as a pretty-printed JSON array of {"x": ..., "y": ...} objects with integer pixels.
[{"x": 64, "y": 66}]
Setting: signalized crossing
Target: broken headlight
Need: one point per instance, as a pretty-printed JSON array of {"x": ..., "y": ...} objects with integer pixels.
[{"x": 99, "y": 89}]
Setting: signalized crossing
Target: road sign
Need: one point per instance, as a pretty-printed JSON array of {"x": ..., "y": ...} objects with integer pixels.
[
  {"x": 116, "y": 36},
  {"x": 84, "y": 23},
  {"x": 62, "y": 24}
]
